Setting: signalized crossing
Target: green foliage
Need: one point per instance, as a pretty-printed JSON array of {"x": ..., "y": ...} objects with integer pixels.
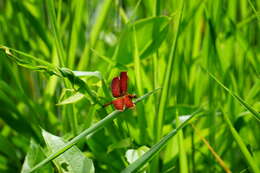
[
  {"x": 146, "y": 157},
  {"x": 34, "y": 155},
  {"x": 57, "y": 61},
  {"x": 149, "y": 32},
  {"x": 73, "y": 160}
]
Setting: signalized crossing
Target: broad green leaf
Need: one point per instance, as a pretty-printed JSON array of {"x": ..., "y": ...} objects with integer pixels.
[
  {"x": 34, "y": 155},
  {"x": 134, "y": 154},
  {"x": 147, "y": 43},
  {"x": 73, "y": 160}
]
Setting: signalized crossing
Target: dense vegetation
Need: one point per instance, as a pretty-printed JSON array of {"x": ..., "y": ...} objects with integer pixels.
[{"x": 194, "y": 66}]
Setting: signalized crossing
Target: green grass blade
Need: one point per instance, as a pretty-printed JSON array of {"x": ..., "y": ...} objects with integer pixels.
[
  {"x": 149, "y": 155},
  {"x": 140, "y": 37},
  {"x": 57, "y": 38},
  {"x": 78, "y": 12},
  {"x": 8, "y": 51},
  {"x": 253, "y": 8},
  {"x": 241, "y": 101},
  {"x": 166, "y": 85},
  {"x": 249, "y": 159},
  {"x": 97, "y": 27},
  {"x": 167, "y": 79},
  {"x": 156, "y": 7},
  {"x": 182, "y": 153},
  {"x": 137, "y": 63},
  {"x": 137, "y": 69},
  {"x": 87, "y": 132},
  {"x": 211, "y": 149}
]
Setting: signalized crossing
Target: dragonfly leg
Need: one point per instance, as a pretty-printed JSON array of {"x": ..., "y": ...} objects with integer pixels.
[{"x": 107, "y": 104}]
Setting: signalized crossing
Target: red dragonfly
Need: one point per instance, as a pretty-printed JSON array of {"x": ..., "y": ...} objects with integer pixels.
[{"x": 119, "y": 90}]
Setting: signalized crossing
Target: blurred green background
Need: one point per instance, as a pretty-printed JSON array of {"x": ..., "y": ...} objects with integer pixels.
[{"x": 57, "y": 59}]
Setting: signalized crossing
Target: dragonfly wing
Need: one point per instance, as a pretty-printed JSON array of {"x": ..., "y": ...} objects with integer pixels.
[
  {"x": 128, "y": 102},
  {"x": 119, "y": 104},
  {"x": 115, "y": 86},
  {"x": 123, "y": 82}
]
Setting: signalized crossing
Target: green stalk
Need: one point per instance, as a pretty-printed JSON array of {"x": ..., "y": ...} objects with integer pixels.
[
  {"x": 167, "y": 79},
  {"x": 165, "y": 90},
  {"x": 137, "y": 67},
  {"x": 78, "y": 12},
  {"x": 155, "y": 56},
  {"x": 94, "y": 128},
  {"x": 182, "y": 154},
  {"x": 156, "y": 12},
  {"x": 249, "y": 159},
  {"x": 59, "y": 12},
  {"x": 155, "y": 69},
  {"x": 137, "y": 64},
  {"x": 156, "y": 8}
]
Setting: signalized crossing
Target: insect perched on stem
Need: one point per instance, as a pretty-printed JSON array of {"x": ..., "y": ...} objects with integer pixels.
[{"x": 119, "y": 90}]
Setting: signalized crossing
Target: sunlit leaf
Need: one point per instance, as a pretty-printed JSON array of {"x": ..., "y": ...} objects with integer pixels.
[
  {"x": 73, "y": 160},
  {"x": 34, "y": 155}
]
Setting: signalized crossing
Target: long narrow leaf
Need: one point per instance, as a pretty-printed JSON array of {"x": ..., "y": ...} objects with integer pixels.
[
  {"x": 56, "y": 34},
  {"x": 182, "y": 153},
  {"x": 249, "y": 159},
  {"x": 166, "y": 85},
  {"x": 95, "y": 31},
  {"x": 167, "y": 80},
  {"x": 149, "y": 155},
  {"x": 241, "y": 101}
]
